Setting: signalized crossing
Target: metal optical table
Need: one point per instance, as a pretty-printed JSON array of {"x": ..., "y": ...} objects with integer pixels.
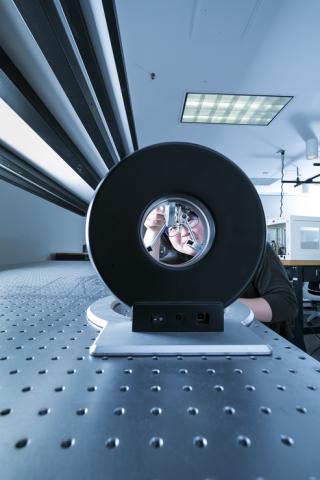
[{"x": 67, "y": 415}]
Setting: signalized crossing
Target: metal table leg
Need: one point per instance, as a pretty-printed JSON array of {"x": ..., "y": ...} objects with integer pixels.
[{"x": 298, "y": 324}]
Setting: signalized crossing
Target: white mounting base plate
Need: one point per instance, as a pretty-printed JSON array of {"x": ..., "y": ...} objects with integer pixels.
[{"x": 118, "y": 339}]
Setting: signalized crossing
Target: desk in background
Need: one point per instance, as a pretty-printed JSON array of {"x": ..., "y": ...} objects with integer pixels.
[{"x": 301, "y": 271}]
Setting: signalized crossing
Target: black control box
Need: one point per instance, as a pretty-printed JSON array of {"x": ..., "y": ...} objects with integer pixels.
[{"x": 178, "y": 317}]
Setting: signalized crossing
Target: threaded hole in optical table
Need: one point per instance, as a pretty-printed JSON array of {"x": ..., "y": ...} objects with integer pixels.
[
  {"x": 250, "y": 388},
  {"x": 156, "y": 388},
  {"x": 156, "y": 442},
  {"x": 119, "y": 411},
  {"x": 238, "y": 370},
  {"x": 112, "y": 443},
  {"x": 26, "y": 389},
  {"x": 60, "y": 388},
  {"x": 218, "y": 388},
  {"x": 281, "y": 387},
  {"x": 200, "y": 442},
  {"x": 301, "y": 409},
  {"x": 156, "y": 411},
  {"x": 82, "y": 411},
  {"x": 244, "y": 441},
  {"x": 229, "y": 410},
  {"x": 183, "y": 371},
  {"x": 287, "y": 440},
  {"x": 193, "y": 411},
  {"x": 187, "y": 388},
  {"x": 5, "y": 412},
  {"x": 265, "y": 410},
  {"x": 67, "y": 443},
  {"x": 43, "y": 411},
  {"x": 22, "y": 443}
]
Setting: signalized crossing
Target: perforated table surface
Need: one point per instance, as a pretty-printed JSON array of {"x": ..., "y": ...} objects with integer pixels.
[{"x": 66, "y": 415}]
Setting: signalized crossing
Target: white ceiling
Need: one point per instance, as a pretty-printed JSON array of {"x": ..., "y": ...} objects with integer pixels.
[{"x": 267, "y": 47}]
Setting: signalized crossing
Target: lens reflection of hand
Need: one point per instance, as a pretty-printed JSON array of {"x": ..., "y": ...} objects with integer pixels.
[{"x": 155, "y": 220}]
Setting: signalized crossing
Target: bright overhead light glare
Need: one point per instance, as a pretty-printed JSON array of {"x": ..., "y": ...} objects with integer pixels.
[
  {"x": 232, "y": 109},
  {"x": 18, "y": 136}
]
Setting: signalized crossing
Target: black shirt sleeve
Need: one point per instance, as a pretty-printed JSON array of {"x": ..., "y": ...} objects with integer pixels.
[{"x": 271, "y": 283}]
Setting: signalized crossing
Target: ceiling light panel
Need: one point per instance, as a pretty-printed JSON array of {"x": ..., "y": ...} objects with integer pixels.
[{"x": 232, "y": 109}]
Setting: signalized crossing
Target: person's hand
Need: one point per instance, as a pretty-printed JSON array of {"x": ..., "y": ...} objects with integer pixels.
[
  {"x": 155, "y": 220},
  {"x": 154, "y": 223}
]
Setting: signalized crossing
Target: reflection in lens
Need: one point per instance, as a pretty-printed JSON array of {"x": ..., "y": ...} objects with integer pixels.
[
  {"x": 176, "y": 231},
  {"x": 181, "y": 227}
]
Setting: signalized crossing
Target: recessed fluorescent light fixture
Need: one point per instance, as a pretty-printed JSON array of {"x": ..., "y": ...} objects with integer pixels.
[{"x": 232, "y": 109}]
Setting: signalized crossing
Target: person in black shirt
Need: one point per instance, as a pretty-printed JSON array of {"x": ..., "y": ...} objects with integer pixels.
[{"x": 269, "y": 294}]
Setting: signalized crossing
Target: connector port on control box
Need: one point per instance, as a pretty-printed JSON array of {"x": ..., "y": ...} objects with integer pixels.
[{"x": 202, "y": 318}]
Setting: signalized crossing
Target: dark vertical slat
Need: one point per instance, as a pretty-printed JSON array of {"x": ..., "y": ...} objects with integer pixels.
[
  {"x": 114, "y": 32},
  {"x": 80, "y": 32}
]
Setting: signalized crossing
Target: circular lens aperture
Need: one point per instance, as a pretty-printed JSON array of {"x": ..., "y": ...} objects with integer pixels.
[{"x": 177, "y": 230}]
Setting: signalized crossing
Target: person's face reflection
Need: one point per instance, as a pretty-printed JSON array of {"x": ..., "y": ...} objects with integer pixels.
[{"x": 179, "y": 238}]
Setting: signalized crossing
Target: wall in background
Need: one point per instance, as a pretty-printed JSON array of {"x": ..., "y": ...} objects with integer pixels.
[
  {"x": 304, "y": 204},
  {"x": 31, "y": 228}
]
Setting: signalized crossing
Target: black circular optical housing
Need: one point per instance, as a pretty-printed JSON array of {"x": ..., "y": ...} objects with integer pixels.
[{"x": 167, "y": 170}]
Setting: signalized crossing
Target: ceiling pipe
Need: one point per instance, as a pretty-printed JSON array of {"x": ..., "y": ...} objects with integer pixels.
[
  {"x": 312, "y": 148},
  {"x": 94, "y": 15},
  {"x": 23, "y": 50}
]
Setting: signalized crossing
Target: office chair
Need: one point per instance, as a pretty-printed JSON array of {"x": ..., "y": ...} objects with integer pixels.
[{"x": 311, "y": 296}]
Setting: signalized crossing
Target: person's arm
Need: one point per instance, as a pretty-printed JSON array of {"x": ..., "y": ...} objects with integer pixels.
[
  {"x": 275, "y": 294},
  {"x": 260, "y": 307},
  {"x": 148, "y": 239},
  {"x": 154, "y": 223}
]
